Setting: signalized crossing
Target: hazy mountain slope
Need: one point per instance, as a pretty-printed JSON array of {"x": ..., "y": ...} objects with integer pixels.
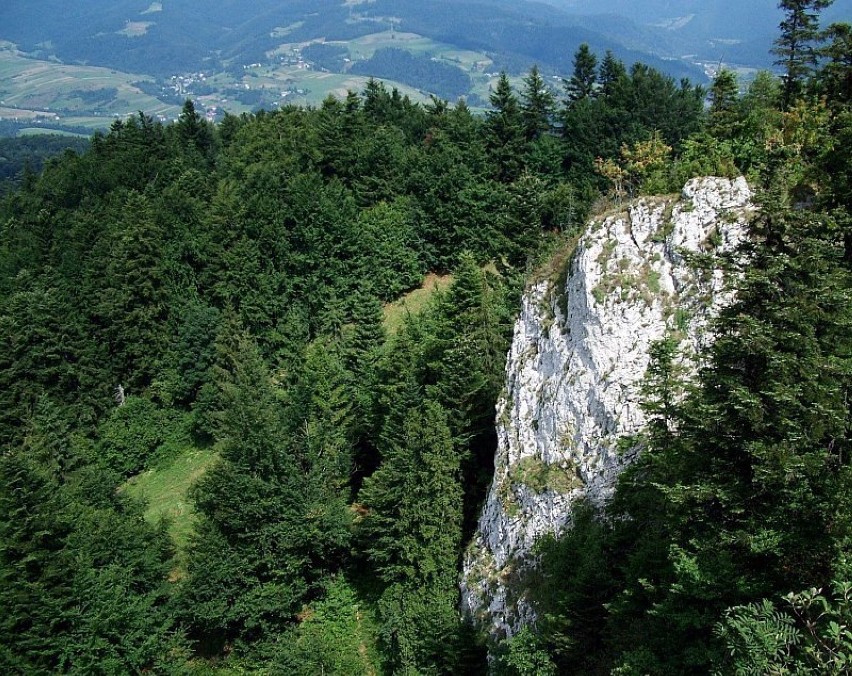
[
  {"x": 733, "y": 31},
  {"x": 177, "y": 37}
]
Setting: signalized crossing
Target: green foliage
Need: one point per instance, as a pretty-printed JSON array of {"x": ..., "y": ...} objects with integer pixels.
[
  {"x": 759, "y": 638},
  {"x": 139, "y": 434},
  {"x": 835, "y": 76},
  {"x": 583, "y": 81},
  {"x": 334, "y": 636},
  {"x": 809, "y": 634},
  {"x": 538, "y": 105},
  {"x": 795, "y": 46},
  {"x": 724, "y": 94},
  {"x": 231, "y": 279},
  {"x": 523, "y": 655},
  {"x": 83, "y": 578},
  {"x": 741, "y": 492},
  {"x": 505, "y": 131},
  {"x": 393, "y": 265},
  {"x": 414, "y": 500},
  {"x": 30, "y": 154},
  {"x": 412, "y": 530},
  {"x": 628, "y": 109},
  {"x": 245, "y": 568}
]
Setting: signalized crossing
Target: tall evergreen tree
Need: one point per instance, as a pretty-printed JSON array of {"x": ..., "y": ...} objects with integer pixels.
[
  {"x": 612, "y": 71},
  {"x": 796, "y": 46},
  {"x": 413, "y": 533},
  {"x": 505, "y": 131},
  {"x": 835, "y": 76},
  {"x": 582, "y": 83},
  {"x": 724, "y": 95},
  {"x": 194, "y": 132},
  {"x": 133, "y": 303},
  {"x": 248, "y": 565},
  {"x": 538, "y": 105}
]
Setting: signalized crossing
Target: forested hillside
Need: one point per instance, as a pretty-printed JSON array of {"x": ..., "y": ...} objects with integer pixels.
[{"x": 222, "y": 317}]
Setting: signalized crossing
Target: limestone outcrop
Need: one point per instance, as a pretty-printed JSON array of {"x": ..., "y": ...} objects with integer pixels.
[{"x": 571, "y": 406}]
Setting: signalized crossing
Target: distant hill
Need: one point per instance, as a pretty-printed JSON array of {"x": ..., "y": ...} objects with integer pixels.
[
  {"x": 90, "y": 61},
  {"x": 735, "y": 31},
  {"x": 161, "y": 39}
]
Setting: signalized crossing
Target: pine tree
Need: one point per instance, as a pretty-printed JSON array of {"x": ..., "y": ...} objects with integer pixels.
[
  {"x": 795, "y": 47},
  {"x": 724, "y": 96},
  {"x": 505, "y": 131},
  {"x": 412, "y": 532},
  {"x": 538, "y": 105},
  {"x": 584, "y": 79}
]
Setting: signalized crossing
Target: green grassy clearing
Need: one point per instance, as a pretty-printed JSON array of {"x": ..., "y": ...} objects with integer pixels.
[
  {"x": 33, "y": 87},
  {"x": 364, "y": 47},
  {"x": 36, "y": 131},
  {"x": 165, "y": 489},
  {"x": 414, "y": 301}
]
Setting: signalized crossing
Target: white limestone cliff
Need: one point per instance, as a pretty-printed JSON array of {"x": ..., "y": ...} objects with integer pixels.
[{"x": 573, "y": 375}]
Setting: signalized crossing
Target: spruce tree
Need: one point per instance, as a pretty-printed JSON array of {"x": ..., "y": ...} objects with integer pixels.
[
  {"x": 248, "y": 561},
  {"x": 724, "y": 96},
  {"x": 505, "y": 131},
  {"x": 796, "y": 46},
  {"x": 582, "y": 83},
  {"x": 538, "y": 105},
  {"x": 612, "y": 72},
  {"x": 835, "y": 76},
  {"x": 413, "y": 533}
]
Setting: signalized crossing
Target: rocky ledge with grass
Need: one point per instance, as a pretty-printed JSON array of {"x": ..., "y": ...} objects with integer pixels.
[{"x": 571, "y": 411}]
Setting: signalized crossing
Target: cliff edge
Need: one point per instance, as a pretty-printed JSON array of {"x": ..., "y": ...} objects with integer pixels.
[{"x": 573, "y": 376}]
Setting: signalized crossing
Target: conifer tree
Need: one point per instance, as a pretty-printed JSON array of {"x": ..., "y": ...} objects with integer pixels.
[
  {"x": 248, "y": 566},
  {"x": 194, "y": 132},
  {"x": 133, "y": 304},
  {"x": 505, "y": 131},
  {"x": 538, "y": 105},
  {"x": 796, "y": 46},
  {"x": 582, "y": 83},
  {"x": 413, "y": 535},
  {"x": 82, "y": 576},
  {"x": 724, "y": 95},
  {"x": 835, "y": 76},
  {"x": 612, "y": 71}
]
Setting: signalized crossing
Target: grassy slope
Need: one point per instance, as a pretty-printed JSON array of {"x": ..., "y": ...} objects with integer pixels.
[
  {"x": 165, "y": 488},
  {"x": 414, "y": 301},
  {"x": 31, "y": 86}
]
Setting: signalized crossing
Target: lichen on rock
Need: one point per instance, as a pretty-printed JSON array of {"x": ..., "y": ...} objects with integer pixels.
[{"x": 574, "y": 373}]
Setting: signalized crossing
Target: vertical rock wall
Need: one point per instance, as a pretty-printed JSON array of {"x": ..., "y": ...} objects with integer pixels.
[{"x": 573, "y": 375}]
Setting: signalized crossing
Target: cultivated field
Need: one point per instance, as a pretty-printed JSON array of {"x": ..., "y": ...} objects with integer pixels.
[{"x": 79, "y": 95}]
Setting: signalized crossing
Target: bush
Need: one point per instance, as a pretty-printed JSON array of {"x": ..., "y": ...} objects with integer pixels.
[{"x": 139, "y": 434}]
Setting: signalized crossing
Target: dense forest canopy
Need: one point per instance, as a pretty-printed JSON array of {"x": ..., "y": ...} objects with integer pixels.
[{"x": 227, "y": 292}]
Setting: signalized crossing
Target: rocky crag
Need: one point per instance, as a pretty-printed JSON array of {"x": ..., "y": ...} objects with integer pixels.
[{"x": 570, "y": 411}]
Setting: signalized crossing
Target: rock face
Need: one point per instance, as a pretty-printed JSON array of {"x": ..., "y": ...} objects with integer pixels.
[{"x": 574, "y": 372}]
